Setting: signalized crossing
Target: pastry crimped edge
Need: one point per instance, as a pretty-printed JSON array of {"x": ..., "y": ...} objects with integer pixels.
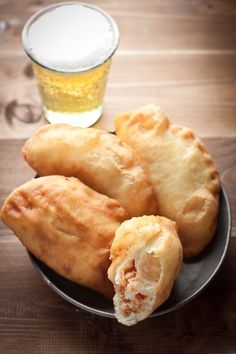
[{"x": 153, "y": 118}]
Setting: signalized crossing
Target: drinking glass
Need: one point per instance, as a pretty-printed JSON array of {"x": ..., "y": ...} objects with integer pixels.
[{"x": 71, "y": 46}]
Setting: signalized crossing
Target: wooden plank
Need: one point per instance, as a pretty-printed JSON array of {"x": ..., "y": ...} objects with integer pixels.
[
  {"x": 143, "y": 69},
  {"x": 200, "y": 94},
  {"x": 14, "y": 170},
  {"x": 150, "y": 25},
  {"x": 168, "y": 7}
]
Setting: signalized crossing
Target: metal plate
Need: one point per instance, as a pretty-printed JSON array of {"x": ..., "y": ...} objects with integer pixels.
[{"x": 195, "y": 274}]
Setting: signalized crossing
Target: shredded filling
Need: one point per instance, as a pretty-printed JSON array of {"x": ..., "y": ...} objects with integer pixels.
[{"x": 131, "y": 298}]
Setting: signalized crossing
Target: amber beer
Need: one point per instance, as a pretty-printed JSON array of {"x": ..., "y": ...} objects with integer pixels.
[
  {"x": 71, "y": 46},
  {"x": 72, "y": 98}
]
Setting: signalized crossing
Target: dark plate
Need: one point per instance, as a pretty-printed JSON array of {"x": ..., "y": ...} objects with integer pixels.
[{"x": 193, "y": 278}]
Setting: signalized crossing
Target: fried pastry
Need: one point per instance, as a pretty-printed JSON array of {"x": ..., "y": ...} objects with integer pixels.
[
  {"x": 66, "y": 225},
  {"x": 99, "y": 159},
  {"x": 184, "y": 176},
  {"x": 146, "y": 257}
]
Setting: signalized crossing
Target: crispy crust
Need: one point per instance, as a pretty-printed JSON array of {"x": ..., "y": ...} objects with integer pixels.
[
  {"x": 66, "y": 225},
  {"x": 183, "y": 173},
  {"x": 99, "y": 159}
]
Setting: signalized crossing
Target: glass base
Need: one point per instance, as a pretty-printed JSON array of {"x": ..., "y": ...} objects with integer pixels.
[{"x": 82, "y": 120}]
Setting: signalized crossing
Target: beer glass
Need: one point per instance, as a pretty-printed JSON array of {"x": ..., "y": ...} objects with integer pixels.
[{"x": 71, "y": 45}]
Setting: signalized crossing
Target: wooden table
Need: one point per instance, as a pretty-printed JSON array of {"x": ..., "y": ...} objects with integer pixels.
[{"x": 182, "y": 55}]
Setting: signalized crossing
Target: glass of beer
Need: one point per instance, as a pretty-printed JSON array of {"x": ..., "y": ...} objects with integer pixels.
[{"x": 71, "y": 45}]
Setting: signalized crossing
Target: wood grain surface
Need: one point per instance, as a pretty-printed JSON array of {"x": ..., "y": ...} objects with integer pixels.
[{"x": 182, "y": 55}]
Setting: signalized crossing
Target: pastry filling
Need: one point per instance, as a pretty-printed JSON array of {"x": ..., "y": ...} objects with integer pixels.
[{"x": 130, "y": 297}]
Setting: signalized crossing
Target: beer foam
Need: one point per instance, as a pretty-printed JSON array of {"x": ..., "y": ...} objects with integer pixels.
[{"x": 70, "y": 37}]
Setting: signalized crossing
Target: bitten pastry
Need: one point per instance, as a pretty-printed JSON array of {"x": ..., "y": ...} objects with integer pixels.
[
  {"x": 146, "y": 257},
  {"x": 66, "y": 225},
  {"x": 183, "y": 173},
  {"x": 98, "y": 159}
]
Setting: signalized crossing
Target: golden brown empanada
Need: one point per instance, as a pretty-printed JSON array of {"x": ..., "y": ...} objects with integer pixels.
[
  {"x": 183, "y": 174},
  {"x": 66, "y": 225},
  {"x": 146, "y": 257},
  {"x": 98, "y": 159}
]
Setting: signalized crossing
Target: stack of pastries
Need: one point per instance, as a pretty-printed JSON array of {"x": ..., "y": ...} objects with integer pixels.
[{"x": 117, "y": 213}]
